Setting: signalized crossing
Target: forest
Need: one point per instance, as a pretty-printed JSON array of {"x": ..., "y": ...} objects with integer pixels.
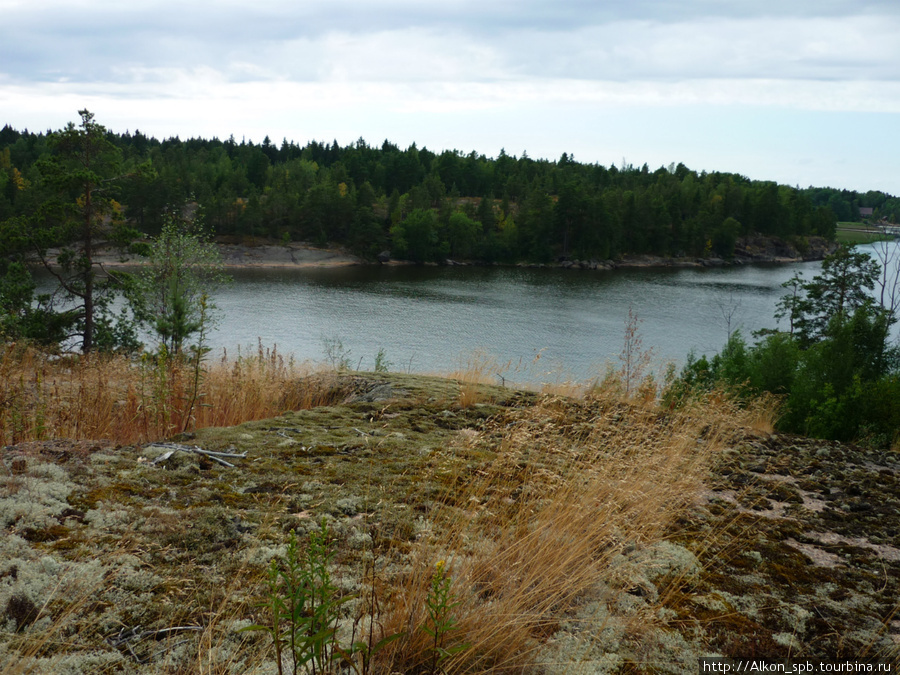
[{"x": 427, "y": 206}]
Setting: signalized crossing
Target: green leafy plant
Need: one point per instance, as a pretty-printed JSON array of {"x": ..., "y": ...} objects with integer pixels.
[
  {"x": 439, "y": 603},
  {"x": 382, "y": 364},
  {"x": 361, "y": 653},
  {"x": 304, "y": 604}
]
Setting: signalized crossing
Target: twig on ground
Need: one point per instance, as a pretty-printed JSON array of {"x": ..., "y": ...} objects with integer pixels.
[
  {"x": 177, "y": 447},
  {"x": 129, "y": 636}
]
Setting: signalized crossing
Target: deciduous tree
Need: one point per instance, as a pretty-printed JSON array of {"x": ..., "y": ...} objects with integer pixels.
[{"x": 183, "y": 267}]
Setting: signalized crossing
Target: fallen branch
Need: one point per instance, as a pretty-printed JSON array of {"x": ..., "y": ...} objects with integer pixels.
[
  {"x": 177, "y": 447},
  {"x": 126, "y": 637}
]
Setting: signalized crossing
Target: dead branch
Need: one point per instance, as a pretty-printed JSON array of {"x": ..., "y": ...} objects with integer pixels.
[
  {"x": 178, "y": 447},
  {"x": 130, "y": 636}
]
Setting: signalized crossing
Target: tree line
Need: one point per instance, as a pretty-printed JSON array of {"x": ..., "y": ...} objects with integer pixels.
[{"x": 428, "y": 206}]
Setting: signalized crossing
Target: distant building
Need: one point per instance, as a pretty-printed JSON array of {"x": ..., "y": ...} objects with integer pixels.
[{"x": 865, "y": 211}]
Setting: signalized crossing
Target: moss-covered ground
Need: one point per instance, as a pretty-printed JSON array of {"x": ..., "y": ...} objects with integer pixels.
[{"x": 794, "y": 543}]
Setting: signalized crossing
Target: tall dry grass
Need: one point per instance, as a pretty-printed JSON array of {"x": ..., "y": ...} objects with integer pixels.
[
  {"x": 129, "y": 400},
  {"x": 528, "y": 537},
  {"x": 479, "y": 369}
]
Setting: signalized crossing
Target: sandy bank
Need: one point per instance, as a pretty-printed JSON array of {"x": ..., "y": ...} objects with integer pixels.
[
  {"x": 238, "y": 256},
  {"x": 291, "y": 255}
]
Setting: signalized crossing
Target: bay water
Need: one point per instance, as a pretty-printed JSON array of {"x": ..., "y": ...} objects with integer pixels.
[
  {"x": 538, "y": 325},
  {"x": 535, "y": 325}
]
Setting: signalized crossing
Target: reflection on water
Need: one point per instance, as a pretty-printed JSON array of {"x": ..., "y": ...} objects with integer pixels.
[{"x": 431, "y": 318}]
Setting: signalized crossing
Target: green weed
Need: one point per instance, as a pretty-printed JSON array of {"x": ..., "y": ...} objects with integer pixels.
[
  {"x": 440, "y": 603},
  {"x": 304, "y": 604}
]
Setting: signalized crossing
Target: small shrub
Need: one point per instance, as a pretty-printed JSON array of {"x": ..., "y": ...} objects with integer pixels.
[
  {"x": 439, "y": 604},
  {"x": 336, "y": 355},
  {"x": 304, "y": 604}
]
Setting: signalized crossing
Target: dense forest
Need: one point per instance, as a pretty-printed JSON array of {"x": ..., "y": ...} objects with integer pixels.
[{"x": 423, "y": 205}]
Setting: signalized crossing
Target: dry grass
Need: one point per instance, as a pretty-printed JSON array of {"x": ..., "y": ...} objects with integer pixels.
[
  {"x": 574, "y": 485},
  {"x": 477, "y": 369},
  {"x": 480, "y": 369},
  {"x": 131, "y": 401}
]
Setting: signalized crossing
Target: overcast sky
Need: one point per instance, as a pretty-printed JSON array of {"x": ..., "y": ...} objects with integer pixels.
[{"x": 805, "y": 92}]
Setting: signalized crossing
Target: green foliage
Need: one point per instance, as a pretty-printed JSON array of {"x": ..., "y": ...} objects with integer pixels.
[
  {"x": 115, "y": 332},
  {"x": 174, "y": 325},
  {"x": 77, "y": 213},
  {"x": 382, "y": 364},
  {"x": 304, "y": 604},
  {"x": 355, "y": 195},
  {"x": 773, "y": 364},
  {"x": 182, "y": 267},
  {"x": 71, "y": 206},
  {"x": 732, "y": 364},
  {"x": 416, "y": 237},
  {"x": 842, "y": 288},
  {"x": 439, "y": 604},
  {"x": 832, "y": 368},
  {"x": 26, "y": 317},
  {"x": 725, "y": 237},
  {"x": 464, "y": 235},
  {"x": 696, "y": 376}
]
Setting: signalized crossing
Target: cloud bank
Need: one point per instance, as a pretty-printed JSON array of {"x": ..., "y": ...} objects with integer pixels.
[{"x": 351, "y": 67}]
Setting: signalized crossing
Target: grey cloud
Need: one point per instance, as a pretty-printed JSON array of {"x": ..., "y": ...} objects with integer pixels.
[{"x": 616, "y": 39}]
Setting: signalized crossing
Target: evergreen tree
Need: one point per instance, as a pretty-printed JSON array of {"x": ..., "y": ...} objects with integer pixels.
[{"x": 78, "y": 214}]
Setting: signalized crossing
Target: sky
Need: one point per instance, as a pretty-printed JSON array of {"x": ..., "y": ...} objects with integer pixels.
[{"x": 804, "y": 92}]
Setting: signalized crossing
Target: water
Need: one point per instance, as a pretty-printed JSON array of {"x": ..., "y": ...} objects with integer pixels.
[{"x": 432, "y": 319}]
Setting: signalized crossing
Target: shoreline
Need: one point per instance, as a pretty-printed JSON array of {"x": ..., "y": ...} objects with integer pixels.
[
  {"x": 299, "y": 255},
  {"x": 235, "y": 256}
]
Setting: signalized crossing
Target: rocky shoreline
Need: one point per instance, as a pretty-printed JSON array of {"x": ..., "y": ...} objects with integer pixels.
[
  {"x": 299, "y": 255},
  {"x": 748, "y": 251},
  {"x": 241, "y": 256}
]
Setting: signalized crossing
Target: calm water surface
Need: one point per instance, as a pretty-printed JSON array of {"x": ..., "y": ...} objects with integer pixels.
[{"x": 434, "y": 318}]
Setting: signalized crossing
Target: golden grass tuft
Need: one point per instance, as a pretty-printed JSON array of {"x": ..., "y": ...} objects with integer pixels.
[
  {"x": 478, "y": 369},
  {"x": 127, "y": 400},
  {"x": 572, "y": 485}
]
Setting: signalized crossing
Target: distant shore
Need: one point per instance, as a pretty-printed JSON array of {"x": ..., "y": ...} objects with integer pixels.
[
  {"x": 239, "y": 256},
  {"x": 299, "y": 255}
]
